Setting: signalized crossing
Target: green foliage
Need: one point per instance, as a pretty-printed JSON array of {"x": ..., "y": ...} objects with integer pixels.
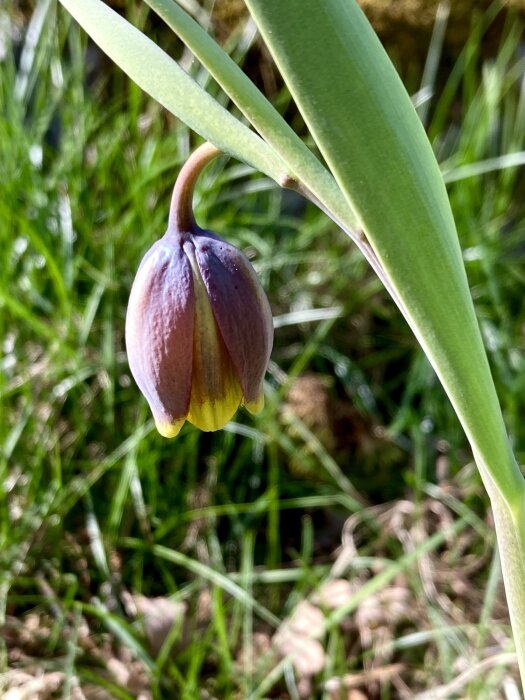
[{"x": 95, "y": 506}]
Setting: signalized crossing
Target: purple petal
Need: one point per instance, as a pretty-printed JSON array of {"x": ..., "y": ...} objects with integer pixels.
[
  {"x": 159, "y": 331},
  {"x": 240, "y": 307}
]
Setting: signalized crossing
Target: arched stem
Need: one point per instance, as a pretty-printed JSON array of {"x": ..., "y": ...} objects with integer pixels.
[{"x": 181, "y": 210}]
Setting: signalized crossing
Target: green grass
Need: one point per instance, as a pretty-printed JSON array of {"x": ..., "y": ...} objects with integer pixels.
[{"x": 238, "y": 528}]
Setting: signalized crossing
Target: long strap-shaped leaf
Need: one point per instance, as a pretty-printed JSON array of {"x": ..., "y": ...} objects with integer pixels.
[
  {"x": 366, "y": 127},
  {"x": 368, "y": 131},
  {"x": 256, "y": 108},
  {"x": 162, "y": 78}
]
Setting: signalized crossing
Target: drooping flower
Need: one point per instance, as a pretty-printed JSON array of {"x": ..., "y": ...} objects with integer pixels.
[{"x": 199, "y": 331}]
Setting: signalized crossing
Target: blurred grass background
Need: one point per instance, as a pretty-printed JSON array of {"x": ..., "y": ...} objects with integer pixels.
[{"x": 339, "y": 545}]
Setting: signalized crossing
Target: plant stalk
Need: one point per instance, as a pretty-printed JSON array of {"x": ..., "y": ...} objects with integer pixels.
[{"x": 181, "y": 217}]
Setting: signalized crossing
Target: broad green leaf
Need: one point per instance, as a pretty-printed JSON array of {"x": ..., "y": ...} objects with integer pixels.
[
  {"x": 162, "y": 78},
  {"x": 368, "y": 131},
  {"x": 366, "y": 127},
  {"x": 302, "y": 163}
]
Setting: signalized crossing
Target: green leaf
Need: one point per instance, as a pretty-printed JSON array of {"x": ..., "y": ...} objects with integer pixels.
[
  {"x": 368, "y": 131},
  {"x": 302, "y": 163},
  {"x": 162, "y": 78}
]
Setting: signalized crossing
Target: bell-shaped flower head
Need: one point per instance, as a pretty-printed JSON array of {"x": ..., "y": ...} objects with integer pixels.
[{"x": 199, "y": 328}]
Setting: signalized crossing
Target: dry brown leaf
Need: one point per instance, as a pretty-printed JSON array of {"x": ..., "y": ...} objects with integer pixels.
[
  {"x": 356, "y": 695},
  {"x": 159, "y": 616},
  {"x": 306, "y": 654},
  {"x": 94, "y": 692},
  {"x": 307, "y": 619},
  {"x": 24, "y": 686},
  {"x": 298, "y": 638},
  {"x": 119, "y": 671},
  {"x": 353, "y": 680},
  {"x": 334, "y": 593}
]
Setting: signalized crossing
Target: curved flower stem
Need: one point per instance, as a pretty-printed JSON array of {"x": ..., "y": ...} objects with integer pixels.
[{"x": 181, "y": 215}]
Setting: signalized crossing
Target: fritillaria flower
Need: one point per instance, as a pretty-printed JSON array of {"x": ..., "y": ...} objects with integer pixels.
[{"x": 199, "y": 328}]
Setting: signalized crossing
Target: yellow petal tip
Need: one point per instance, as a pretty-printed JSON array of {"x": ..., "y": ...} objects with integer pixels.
[
  {"x": 213, "y": 415},
  {"x": 170, "y": 430},
  {"x": 256, "y": 406}
]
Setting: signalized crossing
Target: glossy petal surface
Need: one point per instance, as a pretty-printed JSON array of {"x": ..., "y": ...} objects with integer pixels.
[
  {"x": 160, "y": 331},
  {"x": 241, "y": 310}
]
